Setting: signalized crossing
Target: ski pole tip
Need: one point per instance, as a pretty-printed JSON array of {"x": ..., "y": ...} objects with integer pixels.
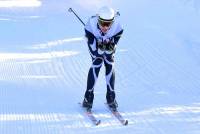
[{"x": 125, "y": 123}]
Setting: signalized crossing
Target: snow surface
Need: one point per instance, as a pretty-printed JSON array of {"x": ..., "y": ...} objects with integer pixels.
[{"x": 44, "y": 64}]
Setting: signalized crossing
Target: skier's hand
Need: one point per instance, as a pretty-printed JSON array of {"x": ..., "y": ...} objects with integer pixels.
[
  {"x": 100, "y": 44},
  {"x": 106, "y": 45},
  {"x": 109, "y": 44},
  {"x": 111, "y": 47}
]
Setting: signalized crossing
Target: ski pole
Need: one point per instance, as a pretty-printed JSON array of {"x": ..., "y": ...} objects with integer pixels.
[{"x": 71, "y": 10}]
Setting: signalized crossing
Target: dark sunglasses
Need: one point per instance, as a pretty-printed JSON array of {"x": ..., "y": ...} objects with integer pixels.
[{"x": 105, "y": 23}]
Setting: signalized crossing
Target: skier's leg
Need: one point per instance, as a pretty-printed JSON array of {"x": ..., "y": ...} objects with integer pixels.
[
  {"x": 92, "y": 77},
  {"x": 110, "y": 80}
]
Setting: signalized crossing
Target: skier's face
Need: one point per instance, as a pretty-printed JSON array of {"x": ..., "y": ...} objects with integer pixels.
[
  {"x": 104, "y": 29},
  {"x": 105, "y": 25}
]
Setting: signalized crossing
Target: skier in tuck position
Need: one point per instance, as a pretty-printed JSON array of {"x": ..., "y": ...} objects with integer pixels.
[{"x": 103, "y": 32}]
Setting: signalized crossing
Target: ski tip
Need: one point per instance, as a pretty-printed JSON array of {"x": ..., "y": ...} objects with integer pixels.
[
  {"x": 125, "y": 123},
  {"x": 98, "y": 122}
]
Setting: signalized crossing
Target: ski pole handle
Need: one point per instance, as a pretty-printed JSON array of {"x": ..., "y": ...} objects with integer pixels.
[
  {"x": 72, "y": 11},
  {"x": 117, "y": 14}
]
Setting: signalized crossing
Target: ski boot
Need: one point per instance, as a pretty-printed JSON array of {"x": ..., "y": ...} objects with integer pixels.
[
  {"x": 87, "y": 105},
  {"x": 113, "y": 105}
]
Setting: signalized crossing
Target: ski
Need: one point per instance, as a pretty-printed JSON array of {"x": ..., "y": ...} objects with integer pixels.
[
  {"x": 90, "y": 115},
  {"x": 117, "y": 114}
]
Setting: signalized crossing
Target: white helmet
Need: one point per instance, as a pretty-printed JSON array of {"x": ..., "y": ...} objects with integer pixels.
[{"x": 106, "y": 13}]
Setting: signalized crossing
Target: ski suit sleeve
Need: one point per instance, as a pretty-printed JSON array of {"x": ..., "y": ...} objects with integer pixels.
[
  {"x": 117, "y": 36},
  {"x": 90, "y": 37}
]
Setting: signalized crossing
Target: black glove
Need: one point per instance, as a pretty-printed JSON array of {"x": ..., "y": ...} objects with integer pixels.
[
  {"x": 100, "y": 44},
  {"x": 109, "y": 44},
  {"x": 110, "y": 47},
  {"x": 106, "y": 45}
]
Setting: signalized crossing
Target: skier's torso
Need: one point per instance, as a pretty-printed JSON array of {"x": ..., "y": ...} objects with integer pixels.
[{"x": 93, "y": 33}]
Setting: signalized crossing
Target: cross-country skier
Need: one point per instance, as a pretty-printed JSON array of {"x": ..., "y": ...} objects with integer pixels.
[{"x": 103, "y": 32}]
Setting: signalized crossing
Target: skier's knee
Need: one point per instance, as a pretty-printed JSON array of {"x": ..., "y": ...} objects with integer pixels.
[{"x": 98, "y": 61}]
